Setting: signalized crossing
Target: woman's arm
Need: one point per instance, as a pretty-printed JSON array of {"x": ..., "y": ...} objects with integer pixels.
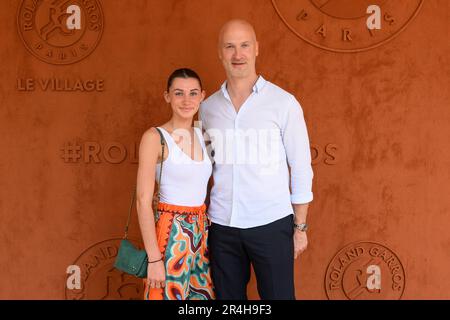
[{"x": 149, "y": 153}]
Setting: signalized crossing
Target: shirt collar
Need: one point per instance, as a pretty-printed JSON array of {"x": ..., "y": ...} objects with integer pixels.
[{"x": 260, "y": 83}]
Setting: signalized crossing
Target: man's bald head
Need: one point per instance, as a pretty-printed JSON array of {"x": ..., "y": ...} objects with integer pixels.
[{"x": 236, "y": 26}]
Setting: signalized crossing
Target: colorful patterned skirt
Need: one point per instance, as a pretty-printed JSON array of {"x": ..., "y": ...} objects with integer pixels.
[{"x": 182, "y": 234}]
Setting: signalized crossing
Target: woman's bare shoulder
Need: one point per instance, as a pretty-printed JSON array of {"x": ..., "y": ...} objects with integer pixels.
[{"x": 151, "y": 138}]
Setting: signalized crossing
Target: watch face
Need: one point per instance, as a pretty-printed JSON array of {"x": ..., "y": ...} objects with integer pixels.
[
  {"x": 301, "y": 226},
  {"x": 342, "y": 25}
]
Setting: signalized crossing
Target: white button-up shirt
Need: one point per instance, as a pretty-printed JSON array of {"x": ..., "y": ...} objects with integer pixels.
[{"x": 252, "y": 149}]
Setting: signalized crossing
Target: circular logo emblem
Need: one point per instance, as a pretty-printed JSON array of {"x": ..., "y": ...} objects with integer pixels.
[
  {"x": 365, "y": 271},
  {"x": 99, "y": 280},
  {"x": 60, "y": 31},
  {"x": 342, "y": 25}
]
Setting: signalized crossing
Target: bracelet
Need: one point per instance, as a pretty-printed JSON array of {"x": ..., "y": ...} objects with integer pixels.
[{"x": 154, "y": 261}]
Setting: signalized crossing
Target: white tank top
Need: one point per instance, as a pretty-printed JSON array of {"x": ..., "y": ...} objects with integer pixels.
[{"x": 184, "y": 181}]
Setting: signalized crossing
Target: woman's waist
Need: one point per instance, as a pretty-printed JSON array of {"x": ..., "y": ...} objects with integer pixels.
[{"x": 193, "y": 195}]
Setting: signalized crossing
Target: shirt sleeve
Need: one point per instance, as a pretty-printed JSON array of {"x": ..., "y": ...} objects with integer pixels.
[
  {"x": 201, "y": 117},
  {"x": 296, "y": 144}
]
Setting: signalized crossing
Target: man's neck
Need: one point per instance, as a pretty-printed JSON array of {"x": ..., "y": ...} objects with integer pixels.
[{"x": 241, "y": 87}]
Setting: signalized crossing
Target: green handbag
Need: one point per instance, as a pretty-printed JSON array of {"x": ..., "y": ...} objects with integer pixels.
[{"x": 130, "y": 259}]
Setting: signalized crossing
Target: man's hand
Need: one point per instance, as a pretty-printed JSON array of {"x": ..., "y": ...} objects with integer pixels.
[
  {"x": 300, "y": 238},
  {"x": 300, "y": 242}
]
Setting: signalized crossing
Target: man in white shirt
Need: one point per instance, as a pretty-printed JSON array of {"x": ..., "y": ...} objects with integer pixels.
[{"x": 258, "y": 207}]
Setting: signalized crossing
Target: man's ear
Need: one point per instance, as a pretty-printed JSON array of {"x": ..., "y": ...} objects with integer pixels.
[
  {"x": 220, "y": 48},
  {"x": 257, "y": 48}
]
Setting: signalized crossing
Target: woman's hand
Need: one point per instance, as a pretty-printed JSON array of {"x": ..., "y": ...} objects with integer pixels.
[{"x": 156, "y": 275}]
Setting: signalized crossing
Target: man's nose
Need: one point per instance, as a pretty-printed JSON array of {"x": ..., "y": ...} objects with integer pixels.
[{"x": 237, "y": 54}]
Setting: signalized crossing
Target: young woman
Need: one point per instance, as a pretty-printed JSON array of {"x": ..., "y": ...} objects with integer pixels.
[{"x": 178, "y": 267}]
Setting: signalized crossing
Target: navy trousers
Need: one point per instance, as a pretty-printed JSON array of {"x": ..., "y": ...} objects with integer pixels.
[{"x": 269, "y": 248}]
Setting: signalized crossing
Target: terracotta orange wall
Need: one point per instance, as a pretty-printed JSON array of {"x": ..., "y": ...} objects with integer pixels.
[{"x": 385, "y": 110}]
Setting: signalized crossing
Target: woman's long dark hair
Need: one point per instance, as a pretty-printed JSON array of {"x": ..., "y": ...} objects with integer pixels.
[{"x": 184, "y": 73}]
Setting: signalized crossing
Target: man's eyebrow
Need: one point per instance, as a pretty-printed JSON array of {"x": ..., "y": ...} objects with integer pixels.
[
  {"x": 195, "y": 89},
  {"x": 232, "y": 44}
]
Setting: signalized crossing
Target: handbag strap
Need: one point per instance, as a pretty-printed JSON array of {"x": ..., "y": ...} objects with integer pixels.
[{"x": 133, "y": 198}]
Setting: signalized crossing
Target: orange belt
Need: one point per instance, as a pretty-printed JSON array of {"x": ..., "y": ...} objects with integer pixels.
[{"x": 165, "y": 207}]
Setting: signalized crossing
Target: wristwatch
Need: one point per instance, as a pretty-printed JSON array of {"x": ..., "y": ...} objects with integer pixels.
[{"x": 302, "y": 226}]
